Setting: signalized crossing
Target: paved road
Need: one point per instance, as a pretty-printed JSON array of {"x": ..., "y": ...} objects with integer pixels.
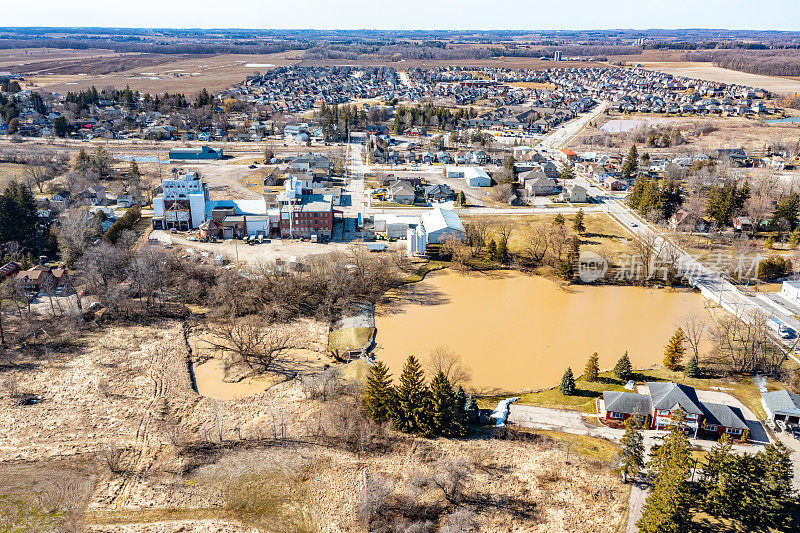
[{"x": 635, "y": 504}]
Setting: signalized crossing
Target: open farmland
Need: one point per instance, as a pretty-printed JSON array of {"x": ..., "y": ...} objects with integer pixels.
[
  {"x": 183, "y": 75},
  {"x": 707, "y": 71},
  {"x": 16, "y": 59}
]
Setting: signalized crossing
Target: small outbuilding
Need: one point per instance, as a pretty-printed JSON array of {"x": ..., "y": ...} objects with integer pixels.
[{"x": 781, "y": 405}]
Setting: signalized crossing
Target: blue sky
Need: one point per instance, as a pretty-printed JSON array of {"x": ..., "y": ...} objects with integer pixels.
[{"x": 412, "y": 14}]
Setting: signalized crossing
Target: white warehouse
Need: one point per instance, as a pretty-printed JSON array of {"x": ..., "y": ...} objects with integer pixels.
[
  {"x": 440, "y": 223},
  {"x": 474, "y": 176}
]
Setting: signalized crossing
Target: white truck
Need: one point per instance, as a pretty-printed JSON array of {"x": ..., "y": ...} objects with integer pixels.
[{"x": 780, "y": 327}]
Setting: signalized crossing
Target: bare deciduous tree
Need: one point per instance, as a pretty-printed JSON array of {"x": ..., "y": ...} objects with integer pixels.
[
  {"x": 646, "y": 250},
  {"x": 443, "y": 359},
  {"x": 251, "y": 340},
  {"x": 694, "y": 329},
  {"x": 536, "y": 240}
]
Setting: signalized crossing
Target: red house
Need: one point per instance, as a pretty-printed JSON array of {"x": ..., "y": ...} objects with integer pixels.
[{"x": 668, "y": 403}]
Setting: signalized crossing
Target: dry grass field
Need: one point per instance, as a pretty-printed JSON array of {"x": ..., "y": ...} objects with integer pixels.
[
  {"x": 120, "y": 441},
  {"x": 728, "y": 132},
  {"x": 18, "y": 58},
  {"x": 707, "y": 71},
  {"x": 10, "y": 172},
  {"x": 164, "y": 73}
]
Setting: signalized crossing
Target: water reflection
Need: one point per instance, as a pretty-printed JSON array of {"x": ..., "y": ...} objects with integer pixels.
[{"x": 519, "y": 332}]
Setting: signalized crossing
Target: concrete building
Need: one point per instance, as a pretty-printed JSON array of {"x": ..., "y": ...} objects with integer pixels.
[
  {"x": 182, "y": 202},
  {"x": 790, "y": 290},
  {"x": 394, "y": 226},
  {"x": 204, "y": 152},
  {"x": 474, "y": 176}
]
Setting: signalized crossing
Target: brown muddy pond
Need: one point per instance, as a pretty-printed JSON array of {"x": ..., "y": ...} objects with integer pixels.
[
  {"x": 209, "y": 378},
  {"x": 518, "y": 332}
]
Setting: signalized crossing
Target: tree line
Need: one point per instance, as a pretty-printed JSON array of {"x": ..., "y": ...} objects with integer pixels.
[
  {"x": 752, "y": 490},
  {"x": 438, "y": 409}
]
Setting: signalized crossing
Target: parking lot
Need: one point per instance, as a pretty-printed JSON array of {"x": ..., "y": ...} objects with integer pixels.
[{"x": 235, "y": 250}]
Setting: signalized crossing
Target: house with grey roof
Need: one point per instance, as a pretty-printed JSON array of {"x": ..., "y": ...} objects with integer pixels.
[
  {"x": 665, "y": 403},
  {"x": 781, "y": 405}
]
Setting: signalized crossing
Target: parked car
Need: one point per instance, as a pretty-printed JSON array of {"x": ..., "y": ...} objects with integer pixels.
[{"x": 796, "y": 432}]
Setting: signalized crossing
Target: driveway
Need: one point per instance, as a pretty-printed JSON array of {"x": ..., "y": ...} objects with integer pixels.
[
  {"x": 533, "y": 417},
  {"x": 636, "y": 503},
  {"x": 758, "y": 435},
  {"x": 794, "y": 446}
]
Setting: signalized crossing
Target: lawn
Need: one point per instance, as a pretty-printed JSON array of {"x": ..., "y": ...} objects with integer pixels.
[
  {"x": 422, "y": 271},
  {"x": 602, "y": 235},
  {"x": 347, "y": 339},
  {"x": 10, "y": 172},
  {"x": 586, "y": 392}
]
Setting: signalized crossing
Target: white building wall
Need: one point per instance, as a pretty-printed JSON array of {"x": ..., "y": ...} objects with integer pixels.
[
  {"x": 158, "y": 207},
  {"x": 791, "y": 291},
  {"x": 197, "y": 208}
]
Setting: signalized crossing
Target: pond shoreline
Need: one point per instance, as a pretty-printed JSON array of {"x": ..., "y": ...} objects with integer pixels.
[{"x": 519, "y": 332}]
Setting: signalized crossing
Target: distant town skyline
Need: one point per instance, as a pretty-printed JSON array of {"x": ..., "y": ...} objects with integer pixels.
[{"x": 780, "y": 15}]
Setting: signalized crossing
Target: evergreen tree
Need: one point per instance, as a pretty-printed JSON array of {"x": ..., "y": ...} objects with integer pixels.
[
  {"x": 133, "y": 171},
  {"x": 794, "y": 238},
  {"x": 558, "y": 220},
  {"x": 623, "y": 368},
  {"x": 412, "y": 399},
  {"x": 667, "y": 509},
  {"x": 567, "y": 386},
  {"x": 83, "y": 162},
  {"x": 18, "y": 215},
  {"x": 379, "y": 396},
  {"x": 442, "y": 420},
  {"x": 60, "y": 126},
  {"x": 502, "y": 251},
  {"x": 692, "y": 369},
  {"x": 491, "y": 249},
  {"x": 776, "y": 492},
  {"x": 675, "y": 350},
  {"x": 463, "y": 418},
  {"x": 788, "y": 209},
  {"x": 723, "y": 202},
  {"x": 471, "y": 410},
  {"x": 578, "y": 224},
  {"x": 592, "y": 368},
  {"x": 566, "y": 172},
  {"x": 715, "y": 476},
  {"x": 630, "y": 459},
  {"x": 631, "y": 164}
]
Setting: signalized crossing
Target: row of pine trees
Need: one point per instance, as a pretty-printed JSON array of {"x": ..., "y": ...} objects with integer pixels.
[
  {"x": 752, "y": 490},
  {"x": 674, "y": 353},
  {"x": 438, "y": 409}
]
